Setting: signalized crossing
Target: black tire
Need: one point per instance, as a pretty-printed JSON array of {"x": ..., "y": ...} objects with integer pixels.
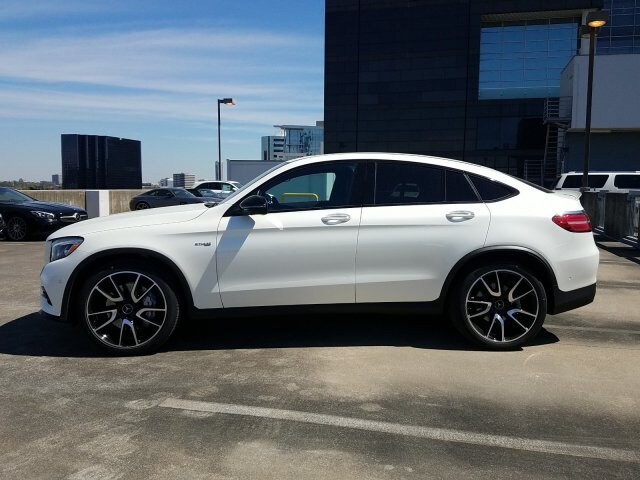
[
  {"x": 142, "y": 206},
  {"x": 128, "y": 309},
  {"x": 16, "y": 229},
  {"x": 499, "y": 307}
]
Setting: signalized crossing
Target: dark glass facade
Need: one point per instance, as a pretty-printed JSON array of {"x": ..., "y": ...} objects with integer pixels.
[
  {"x": 98, "y": 162},
  {"x": 405, "y": 77},
  {"x": 622, "y": 32}
]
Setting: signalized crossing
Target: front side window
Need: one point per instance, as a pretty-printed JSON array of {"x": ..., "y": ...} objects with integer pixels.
[{"x": 327, "y": 185}]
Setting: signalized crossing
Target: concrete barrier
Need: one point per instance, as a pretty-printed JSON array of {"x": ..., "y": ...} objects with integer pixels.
[
  {"x": 589, "y": 202},
  {"x": 119, "y": 200},
  {"x": 97, "y": 203},
  {"x": 68, "y": 197},
  {"x": 616, "y": 220}
]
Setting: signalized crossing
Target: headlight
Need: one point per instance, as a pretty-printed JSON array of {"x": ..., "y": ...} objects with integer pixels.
[
  {"x": 63, "y": 247},
  {"x": 47, "y": 215}
]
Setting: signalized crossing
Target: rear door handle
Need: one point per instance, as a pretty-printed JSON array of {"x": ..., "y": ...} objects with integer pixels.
[
  {"x": 460, "y": 216},
  {"x": 336, "y": 218}
]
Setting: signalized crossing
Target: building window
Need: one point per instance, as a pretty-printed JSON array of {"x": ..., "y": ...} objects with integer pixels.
[
  {"x": 524, "y": 59},
  {"x": 622, "y": 32}
]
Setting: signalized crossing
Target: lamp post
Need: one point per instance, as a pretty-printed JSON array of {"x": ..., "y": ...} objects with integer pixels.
[
  {"x": 225, "y": 101},
  {"x": 595, "y": 21}
]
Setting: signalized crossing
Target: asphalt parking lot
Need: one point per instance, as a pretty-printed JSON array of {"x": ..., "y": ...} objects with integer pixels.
[{"x": 322, "y": 398}]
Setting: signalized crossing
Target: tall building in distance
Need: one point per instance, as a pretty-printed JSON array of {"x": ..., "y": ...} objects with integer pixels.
[
  {"x": 500, "y": 83},
  {"x": 294, "y": 141},
  {"x": 185, "y": 180},
  {"x": 99, "y": 162},
  {"x": 55, "y": 179}
]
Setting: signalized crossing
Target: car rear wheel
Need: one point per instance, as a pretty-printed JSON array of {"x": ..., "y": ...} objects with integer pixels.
[
  {"x": 129, "y": 310},
  {"x": 142, "y": 206},
  {"x": 17, "y": 229},
  {"x": 499, "y": 307}
]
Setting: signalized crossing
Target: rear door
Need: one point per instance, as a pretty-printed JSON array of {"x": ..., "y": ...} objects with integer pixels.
[{"x": 421, "y": 221}]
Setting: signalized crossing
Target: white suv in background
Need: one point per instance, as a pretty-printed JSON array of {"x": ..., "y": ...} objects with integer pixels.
[
  {"x": 218, "y": 186},
  {"x": 614, "y": 182},
  {"x": 361, "y": 231}
]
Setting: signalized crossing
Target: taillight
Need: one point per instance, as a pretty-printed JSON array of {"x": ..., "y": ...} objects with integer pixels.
[{"x": 577, "y": 222}]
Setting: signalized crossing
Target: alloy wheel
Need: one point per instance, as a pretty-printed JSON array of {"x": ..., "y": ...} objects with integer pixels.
[
  {"x": 16, "y": 229},
  {"x": 126, "y": 310},
  {"x": 142, "y": 206},
  {"x": 502, "y": 306}
]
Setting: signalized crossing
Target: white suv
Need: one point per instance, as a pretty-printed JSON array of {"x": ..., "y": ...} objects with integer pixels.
[
  {"x": 614, "y": 182},
  {"x": 218, "y": 186},
  {"x": 363, "y": 231}
]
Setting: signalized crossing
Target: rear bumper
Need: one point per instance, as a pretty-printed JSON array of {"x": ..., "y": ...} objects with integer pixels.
[{"x": 565, "y": 301}]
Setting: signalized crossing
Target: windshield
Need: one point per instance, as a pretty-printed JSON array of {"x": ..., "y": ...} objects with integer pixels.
[
  {"x": 8, "y": 195},
  {"x": 254, "y": 181}
]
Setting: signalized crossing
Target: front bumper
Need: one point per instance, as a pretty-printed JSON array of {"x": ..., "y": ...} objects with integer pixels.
[{"x": 565, "y": 301}]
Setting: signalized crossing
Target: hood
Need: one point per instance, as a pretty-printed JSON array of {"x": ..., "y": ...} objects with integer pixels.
[
  {"x": 50, "y": 207},
  {"x": 139, "y": 218}
]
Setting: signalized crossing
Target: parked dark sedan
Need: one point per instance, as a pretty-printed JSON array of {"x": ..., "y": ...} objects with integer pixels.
[
  {"x": 163, "y": 197},
  {"x": 26, "y": 217}
]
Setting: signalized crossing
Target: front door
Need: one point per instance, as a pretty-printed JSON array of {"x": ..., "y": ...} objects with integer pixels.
[{"x": 303, "y": 250}]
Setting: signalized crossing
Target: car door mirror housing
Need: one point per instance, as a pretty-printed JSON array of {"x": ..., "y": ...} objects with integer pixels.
[{"x": 254, "y": 205}]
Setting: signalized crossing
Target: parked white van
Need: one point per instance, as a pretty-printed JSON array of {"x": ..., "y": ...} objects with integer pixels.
[{"x": 615, "y": 182}]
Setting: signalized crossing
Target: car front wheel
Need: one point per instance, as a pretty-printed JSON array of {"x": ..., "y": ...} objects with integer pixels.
[
  {"x": 499, "y": 307},
  {"x": 129, "y": 310},
  {"x": 142, "y": 206},
  {"x": 17, "y": 229}
]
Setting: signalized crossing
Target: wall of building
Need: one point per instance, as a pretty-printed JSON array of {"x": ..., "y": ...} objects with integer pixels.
[
  {"x": 609, "y": 151},
  {"x": 403, "y": 76},
  {"x": 244, "y": 171},
  {"x": 616, "y": 91}
]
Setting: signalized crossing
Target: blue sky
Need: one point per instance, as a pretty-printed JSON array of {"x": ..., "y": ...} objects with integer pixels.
[{"x": 152, "y": 71}]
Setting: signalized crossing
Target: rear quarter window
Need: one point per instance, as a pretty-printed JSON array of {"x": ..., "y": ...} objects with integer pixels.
[
  {"x": 627, "y": 181},
  {"x": 490, "y": 190}
]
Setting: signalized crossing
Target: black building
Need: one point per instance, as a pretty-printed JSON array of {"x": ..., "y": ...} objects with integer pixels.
[
  {"x": 465, "y": 79},
  {"x": 98, "y": 162}
]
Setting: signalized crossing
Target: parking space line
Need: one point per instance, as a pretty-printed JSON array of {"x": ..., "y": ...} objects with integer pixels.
[
  {"x": 431, "y": 433},
  {"x": 593, "y": 329}
]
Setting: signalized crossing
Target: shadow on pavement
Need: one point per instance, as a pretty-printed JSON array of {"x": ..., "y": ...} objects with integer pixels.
[
  {"x": 618, "y": 249},
  {"x": 32, "y": 335}
]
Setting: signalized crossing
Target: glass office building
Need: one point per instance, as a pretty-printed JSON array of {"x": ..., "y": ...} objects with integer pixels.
[
  {"x": 99, "y": 162},
  {"x": 465, "y": 79}
]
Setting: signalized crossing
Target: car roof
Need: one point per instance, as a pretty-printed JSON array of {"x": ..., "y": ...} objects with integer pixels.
[{"x": 410, "y": 157}]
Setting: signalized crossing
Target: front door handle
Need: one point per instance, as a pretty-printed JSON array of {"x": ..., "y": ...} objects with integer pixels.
[
  {"x": 460, "y": 216},
  {"x": 336, "y": 218}
]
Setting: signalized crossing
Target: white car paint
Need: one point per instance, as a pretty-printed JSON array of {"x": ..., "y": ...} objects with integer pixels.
[{"x": 381, "y": 254}]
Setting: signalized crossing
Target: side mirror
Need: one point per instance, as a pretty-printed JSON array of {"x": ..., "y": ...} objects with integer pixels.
[{"x": 254, "y": 205}]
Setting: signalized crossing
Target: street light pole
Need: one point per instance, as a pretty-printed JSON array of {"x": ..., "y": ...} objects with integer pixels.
[
  {"x": 225, "y": 101},
  {"x": 595, "y": 21}
]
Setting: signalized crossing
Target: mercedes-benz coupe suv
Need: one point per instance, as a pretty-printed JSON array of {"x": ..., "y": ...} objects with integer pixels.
[{"x": 360, "y": 231}]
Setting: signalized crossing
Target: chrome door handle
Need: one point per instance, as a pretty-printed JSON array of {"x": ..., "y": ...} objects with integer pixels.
[
  {"x": 336, "y": 218},
  {"x": 460, "y": 216}
]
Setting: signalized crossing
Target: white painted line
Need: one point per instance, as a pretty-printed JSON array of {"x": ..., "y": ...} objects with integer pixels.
[
  {"x": 440, "y": 434},
  {"x": 593, "y": 329}
]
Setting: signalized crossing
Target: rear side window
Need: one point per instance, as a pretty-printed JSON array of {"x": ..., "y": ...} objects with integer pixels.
[
  {"x": 575, "y": 181},
  {"x": 490, "y": 190},
  {"x": 409, "y": 183},
  {"x": 458, "y": 189},
  {"x": 627, "y": 181}
]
